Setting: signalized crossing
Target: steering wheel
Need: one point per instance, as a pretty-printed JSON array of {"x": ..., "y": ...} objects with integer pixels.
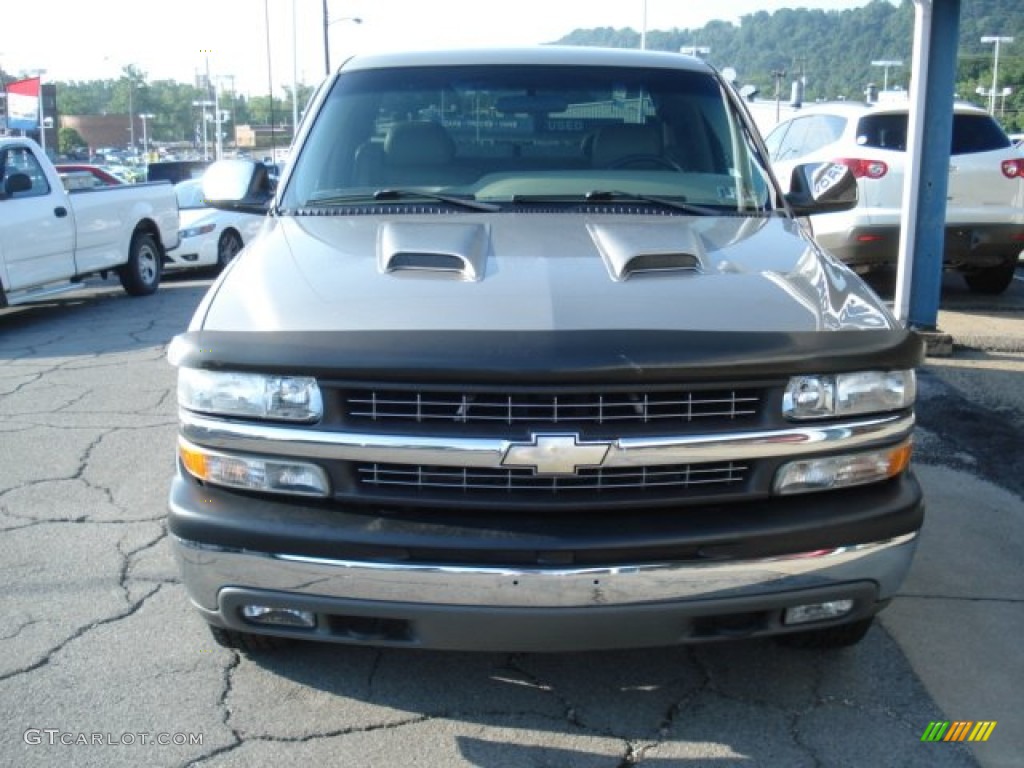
[{"x": 659, "y": 161}]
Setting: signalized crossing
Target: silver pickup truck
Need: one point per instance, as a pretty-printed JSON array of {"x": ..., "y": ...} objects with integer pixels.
[{"x": 533, "y": 354}]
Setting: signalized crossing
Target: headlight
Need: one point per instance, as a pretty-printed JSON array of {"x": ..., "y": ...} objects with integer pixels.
[
  {"x": 250, "y": 395},
  {"x": 848, "y": 394},
  {"x": 196, "y": 231}
]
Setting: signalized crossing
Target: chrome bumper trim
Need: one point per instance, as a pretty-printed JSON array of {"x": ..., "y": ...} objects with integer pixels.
[
  {"x": 208, "y": 569},
  {"x": 283, "y": 440}
]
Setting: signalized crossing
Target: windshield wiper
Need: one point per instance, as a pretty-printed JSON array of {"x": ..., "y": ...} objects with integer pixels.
[
  {"x": 465, "y": 202},
  {"x": 680, "y": 204},
  {"x": 383, "y": 195},
  {"x": 609, "y": 196}
]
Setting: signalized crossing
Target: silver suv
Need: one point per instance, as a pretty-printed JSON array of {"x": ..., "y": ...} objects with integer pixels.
[{"x": 985, "y": 209}]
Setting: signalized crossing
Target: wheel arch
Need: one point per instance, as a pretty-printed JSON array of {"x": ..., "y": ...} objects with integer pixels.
[{"x": 147, "y": 226}]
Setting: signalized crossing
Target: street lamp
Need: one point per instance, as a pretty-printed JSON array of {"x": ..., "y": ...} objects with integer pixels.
[
  {"x": 328, "y": 21},
  {"x": 145, "y": 138},
  {"x": 886, "y": 63},
  {"x": 995, "y": 68}
]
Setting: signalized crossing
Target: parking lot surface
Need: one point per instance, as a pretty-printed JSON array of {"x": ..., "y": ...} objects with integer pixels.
[{"x": 105, "y": 663}]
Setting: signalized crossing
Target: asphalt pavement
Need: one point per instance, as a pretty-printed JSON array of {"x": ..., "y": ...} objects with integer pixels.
[
  {"x": 959, "y": 618},
  {"x": 105, "y": 664}
]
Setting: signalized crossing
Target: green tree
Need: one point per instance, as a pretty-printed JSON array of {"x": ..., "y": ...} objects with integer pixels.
[{"x": 69, "y": 140}]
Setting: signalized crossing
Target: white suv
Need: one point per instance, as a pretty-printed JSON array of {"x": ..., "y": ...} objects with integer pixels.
[{"x": 985, "y": 209}]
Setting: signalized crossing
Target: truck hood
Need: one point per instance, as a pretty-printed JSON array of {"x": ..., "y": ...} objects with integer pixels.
[{"x": 537, "y": 272}]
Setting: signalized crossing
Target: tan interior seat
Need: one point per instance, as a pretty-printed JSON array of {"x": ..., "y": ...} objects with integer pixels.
[{"x": 612, "y": 144}]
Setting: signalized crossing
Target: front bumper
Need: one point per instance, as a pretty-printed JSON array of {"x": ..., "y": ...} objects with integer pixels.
[
  {"x": 733, "y": 577},
  {"x": 192, "y": 252}
]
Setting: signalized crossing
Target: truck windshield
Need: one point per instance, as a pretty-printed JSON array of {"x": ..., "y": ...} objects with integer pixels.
[{"x": 508, "y": 134}]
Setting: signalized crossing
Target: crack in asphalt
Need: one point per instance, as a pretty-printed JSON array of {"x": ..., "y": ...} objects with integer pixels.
[
  {"x": 80, "y": 632},
  {"x": 31, "y": 522},
  {"x": 35, "y": 377},
  {"x": 371, "y": 674},
  {"x": 310, "y": 737},
  {"x": 19, "y": 629},
  {"x": 130, "y": 559},
  {"x": 227, "y": 677}
]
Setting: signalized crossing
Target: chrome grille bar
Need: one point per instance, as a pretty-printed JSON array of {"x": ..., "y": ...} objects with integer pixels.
[
  {"x": 536, "y": 408},
  {"x": 675, "y": 476}
]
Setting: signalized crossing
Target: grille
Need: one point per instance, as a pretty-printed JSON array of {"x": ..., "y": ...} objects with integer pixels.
[
  {"x": 679, "y": 407},
  {"x": 666, "y": 477}
]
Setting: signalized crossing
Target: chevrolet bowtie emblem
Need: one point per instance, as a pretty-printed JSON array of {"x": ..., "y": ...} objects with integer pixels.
[{"x": 555, "y": 454}]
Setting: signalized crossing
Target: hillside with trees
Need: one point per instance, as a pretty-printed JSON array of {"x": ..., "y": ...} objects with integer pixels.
[{"x": 833, "y": 51}]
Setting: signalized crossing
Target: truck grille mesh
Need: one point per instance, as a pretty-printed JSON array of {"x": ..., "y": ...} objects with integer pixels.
[
  {"x": 473, "y": 479},
  {"x": 680, "y": 407}
]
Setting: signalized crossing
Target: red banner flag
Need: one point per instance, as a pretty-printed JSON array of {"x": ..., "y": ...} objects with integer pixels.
[{"x": 23, "y": 104}]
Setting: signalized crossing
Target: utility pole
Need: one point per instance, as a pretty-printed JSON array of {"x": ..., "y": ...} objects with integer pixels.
[
  {"x": 779, "y": 75},
  {"x": 886, "y": 63},
  {"x": 995, "y": 68}
]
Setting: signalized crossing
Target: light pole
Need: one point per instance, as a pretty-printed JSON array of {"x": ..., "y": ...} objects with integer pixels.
[
  {"x": 886, "y": 63},
  {"x": 145, "y": 137},
  {"x": 1002, "y": 105},
  {"x": 203, "y": 119},
  {"x": 295, "y": 73},
  {"x": 328, "y": 21},
  {"x": 778, "y": 75},
  {"x": 131, "y": 117},
  {"x": 42, "y": 117},
  {"x": 643, "y": 30},
  {"x": 995, "y": 68}
]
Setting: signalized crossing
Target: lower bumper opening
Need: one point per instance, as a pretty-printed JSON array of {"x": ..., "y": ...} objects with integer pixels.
[{"x": 482, "y": 628}]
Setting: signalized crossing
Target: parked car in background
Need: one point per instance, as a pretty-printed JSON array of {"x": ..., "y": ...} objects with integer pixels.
[
  {"x": 96, "y": 175},
  {"x": 208, "y": 237},
  {"x": 985, "y": 208}
]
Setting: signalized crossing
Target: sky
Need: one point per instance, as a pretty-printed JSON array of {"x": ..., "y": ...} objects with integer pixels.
[{"x": 96, "y": 39}]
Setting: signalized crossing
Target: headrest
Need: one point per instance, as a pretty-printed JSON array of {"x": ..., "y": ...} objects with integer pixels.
[
  {"x": 418, "y": 143},
  {"x": 614, "y": 142}
]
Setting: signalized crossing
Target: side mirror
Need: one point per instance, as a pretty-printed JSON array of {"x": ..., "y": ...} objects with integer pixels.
[
  {"x": 822, "y": 188},
  {"x": 17, "y": 182},
  {"x": 238, "y": 185}
]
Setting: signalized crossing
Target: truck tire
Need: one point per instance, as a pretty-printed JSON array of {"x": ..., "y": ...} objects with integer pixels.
[
  {"x": 992, "y": 280},
  {"x": 228, "y": 247},
  {"x": 244, "y": 641},
  {"x": 140, "y": 275},
  {"x": 841, "y": 636}
]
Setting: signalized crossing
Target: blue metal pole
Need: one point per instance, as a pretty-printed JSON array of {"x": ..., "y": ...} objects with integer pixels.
[{"x": 926, "y": 281}]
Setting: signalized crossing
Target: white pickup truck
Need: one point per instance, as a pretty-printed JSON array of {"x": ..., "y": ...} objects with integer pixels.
[{"x": 51, "y": 238}]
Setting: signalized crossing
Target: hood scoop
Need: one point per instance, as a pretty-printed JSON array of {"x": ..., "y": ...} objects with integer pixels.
[
  {"x": 629, "y": 250},
  {"x": 455, "y": 251}
]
